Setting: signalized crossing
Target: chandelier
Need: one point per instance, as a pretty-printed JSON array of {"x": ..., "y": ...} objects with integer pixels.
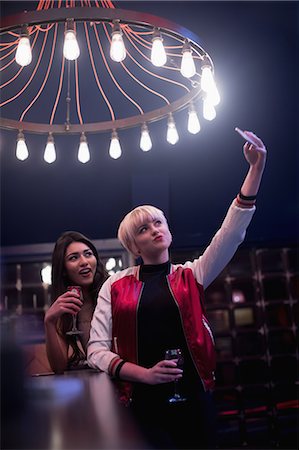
[{"x": 95, "y": 68}]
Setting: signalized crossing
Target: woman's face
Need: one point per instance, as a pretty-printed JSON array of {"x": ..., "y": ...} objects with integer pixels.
[
  {"x": 80, "y": 264},
  {"x": 152, "y": 239}
]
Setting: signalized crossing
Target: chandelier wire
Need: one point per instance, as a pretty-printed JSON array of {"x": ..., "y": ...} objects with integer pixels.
[
  {"x": 110, "y": 72},
  {"x": 47, "y": 73},
  {"x": 77, "y": 92},
  {"x": 96, "y": 75},
  {"x": 58, "y": 90}
]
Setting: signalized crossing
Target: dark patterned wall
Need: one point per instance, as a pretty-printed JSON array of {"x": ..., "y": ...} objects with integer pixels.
[{"x": 252, "y": 308}]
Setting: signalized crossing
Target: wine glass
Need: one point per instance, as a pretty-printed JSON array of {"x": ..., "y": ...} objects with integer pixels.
[
  {"x": 176, "y": 354},
  {"x": 74, "y": 331}
]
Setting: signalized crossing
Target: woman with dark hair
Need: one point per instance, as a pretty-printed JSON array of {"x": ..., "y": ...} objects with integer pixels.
[{"x": 75, "y": 262}]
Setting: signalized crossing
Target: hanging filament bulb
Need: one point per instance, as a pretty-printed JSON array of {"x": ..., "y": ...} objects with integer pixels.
[
  {"x": 213, "y": 95},
  {"x": 83, "y": 152},
  {"x": 207, "y": 79},
  {"x": 158, "y": 54},
  {"x": 115, "y": 148},
  {"x": 21, "y": 150},
  {"x": 145, "y": 139},
  {"x": 172, "y": 134},
  {"x": 187, "y": 67},
  {"x": 117, "y": 49},
  {"x": 208, "y": 84},
  {"x": 193, "y": 121},
  {"x": 209, "y": 112},
  {"x": 23, "y": 53},
  {"x": 50, "y": 153},
  {"x": 71, "y": 50}
]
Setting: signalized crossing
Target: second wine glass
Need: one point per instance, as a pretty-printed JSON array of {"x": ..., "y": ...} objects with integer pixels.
[{"x": 177, "y": 354}]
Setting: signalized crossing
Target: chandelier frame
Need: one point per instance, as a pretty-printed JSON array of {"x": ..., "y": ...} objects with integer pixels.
[{"x": 127, "y": 17}]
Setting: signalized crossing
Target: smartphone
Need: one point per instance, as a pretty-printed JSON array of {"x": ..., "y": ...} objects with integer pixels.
[{"x": 244, "y": 136}]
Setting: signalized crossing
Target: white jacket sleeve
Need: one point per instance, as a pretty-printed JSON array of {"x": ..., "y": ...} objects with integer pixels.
[
  {"x": 99, "y": 355},
  {"x": 223, "y": 245}
]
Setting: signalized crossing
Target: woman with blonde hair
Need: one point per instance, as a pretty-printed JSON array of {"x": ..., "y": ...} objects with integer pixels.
[{"x": 156, "y": 306}]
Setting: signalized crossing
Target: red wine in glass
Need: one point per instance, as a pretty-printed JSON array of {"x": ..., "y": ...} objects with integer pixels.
[
  {"x": 178, "y": 355},
  {"x": 74, "y": 331}
]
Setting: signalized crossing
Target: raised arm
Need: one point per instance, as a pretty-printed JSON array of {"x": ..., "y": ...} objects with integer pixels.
[{"x": 232, "y": 232}]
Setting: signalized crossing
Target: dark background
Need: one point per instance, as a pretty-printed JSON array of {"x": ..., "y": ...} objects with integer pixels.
[{"x": 254, "y": 47}]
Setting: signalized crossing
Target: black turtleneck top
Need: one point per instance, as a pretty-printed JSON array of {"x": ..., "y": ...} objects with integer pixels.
[{"x": 159, "y": 329}]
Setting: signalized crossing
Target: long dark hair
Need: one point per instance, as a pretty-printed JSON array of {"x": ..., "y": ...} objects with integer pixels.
[{"x": 60, "y": 281}]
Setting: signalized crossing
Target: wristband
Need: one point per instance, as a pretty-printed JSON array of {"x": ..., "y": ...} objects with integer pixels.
[
  {"x": 113, "y": 363},
  {"x": 243, "y": 204},
  {"x": 247, "y": 197},
  {"x": 117, "y": 370}
]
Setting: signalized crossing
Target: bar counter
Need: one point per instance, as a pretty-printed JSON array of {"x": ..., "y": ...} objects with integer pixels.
[{"x": 76, "y": 410}]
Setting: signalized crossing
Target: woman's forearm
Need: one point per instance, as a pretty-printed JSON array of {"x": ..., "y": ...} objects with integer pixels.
[
  {"x": 252, "y": 182},
  {"x": 57, "y": 349},
  {"x": 133, "y": 372},
  {"x": 256, "y": 155},
  {"x": 162, "y": 372}
]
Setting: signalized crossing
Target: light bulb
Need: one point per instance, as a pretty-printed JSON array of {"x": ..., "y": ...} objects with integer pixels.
[
  {"x": 50, "y": 153},
  {"x": 193, "y": 122},
  {"x": 71, "y": 50},
  {"x": 145, "y": 139},
  {"x": 83, "y": 153},
  {"x": 115, "y": 148},
  {"x": 209, "y": 112},
  {"x": 110, "y": 264},
  {"x": 23, "y": 53},
  {"x": 207, "y": 79},
  {"x": 117, "y": 49},
  {"x": 172, "y": 134},
  {"x": 213, "y": 95},
  {"x": 187, "y": 67},
  {"x": 158, "y": 54},
  {"x": 21, "y": 150},
  {"x": 208, "y": 84},
  {"x": 46, "y": 274}
]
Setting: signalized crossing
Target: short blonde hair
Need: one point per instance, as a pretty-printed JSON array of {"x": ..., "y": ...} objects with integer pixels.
[{"x": 128, "y": 226}]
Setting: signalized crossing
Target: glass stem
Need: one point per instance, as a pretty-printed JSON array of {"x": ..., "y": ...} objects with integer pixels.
[
  {"x": 74, "y": 323},
  {"x": 176, "y": 388}
]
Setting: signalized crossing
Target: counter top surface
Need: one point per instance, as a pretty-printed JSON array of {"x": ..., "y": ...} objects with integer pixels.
[{"x": 76, "y": 410}]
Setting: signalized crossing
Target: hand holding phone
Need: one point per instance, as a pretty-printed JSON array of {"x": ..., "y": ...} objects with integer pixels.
[{"x": 244, "y": 136}]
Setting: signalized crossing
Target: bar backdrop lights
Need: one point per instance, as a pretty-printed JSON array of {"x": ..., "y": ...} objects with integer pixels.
[{"x": 93, "y": 68}]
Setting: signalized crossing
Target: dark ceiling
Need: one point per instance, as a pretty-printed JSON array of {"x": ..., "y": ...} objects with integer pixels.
[{"x": 254, "y": 46}]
